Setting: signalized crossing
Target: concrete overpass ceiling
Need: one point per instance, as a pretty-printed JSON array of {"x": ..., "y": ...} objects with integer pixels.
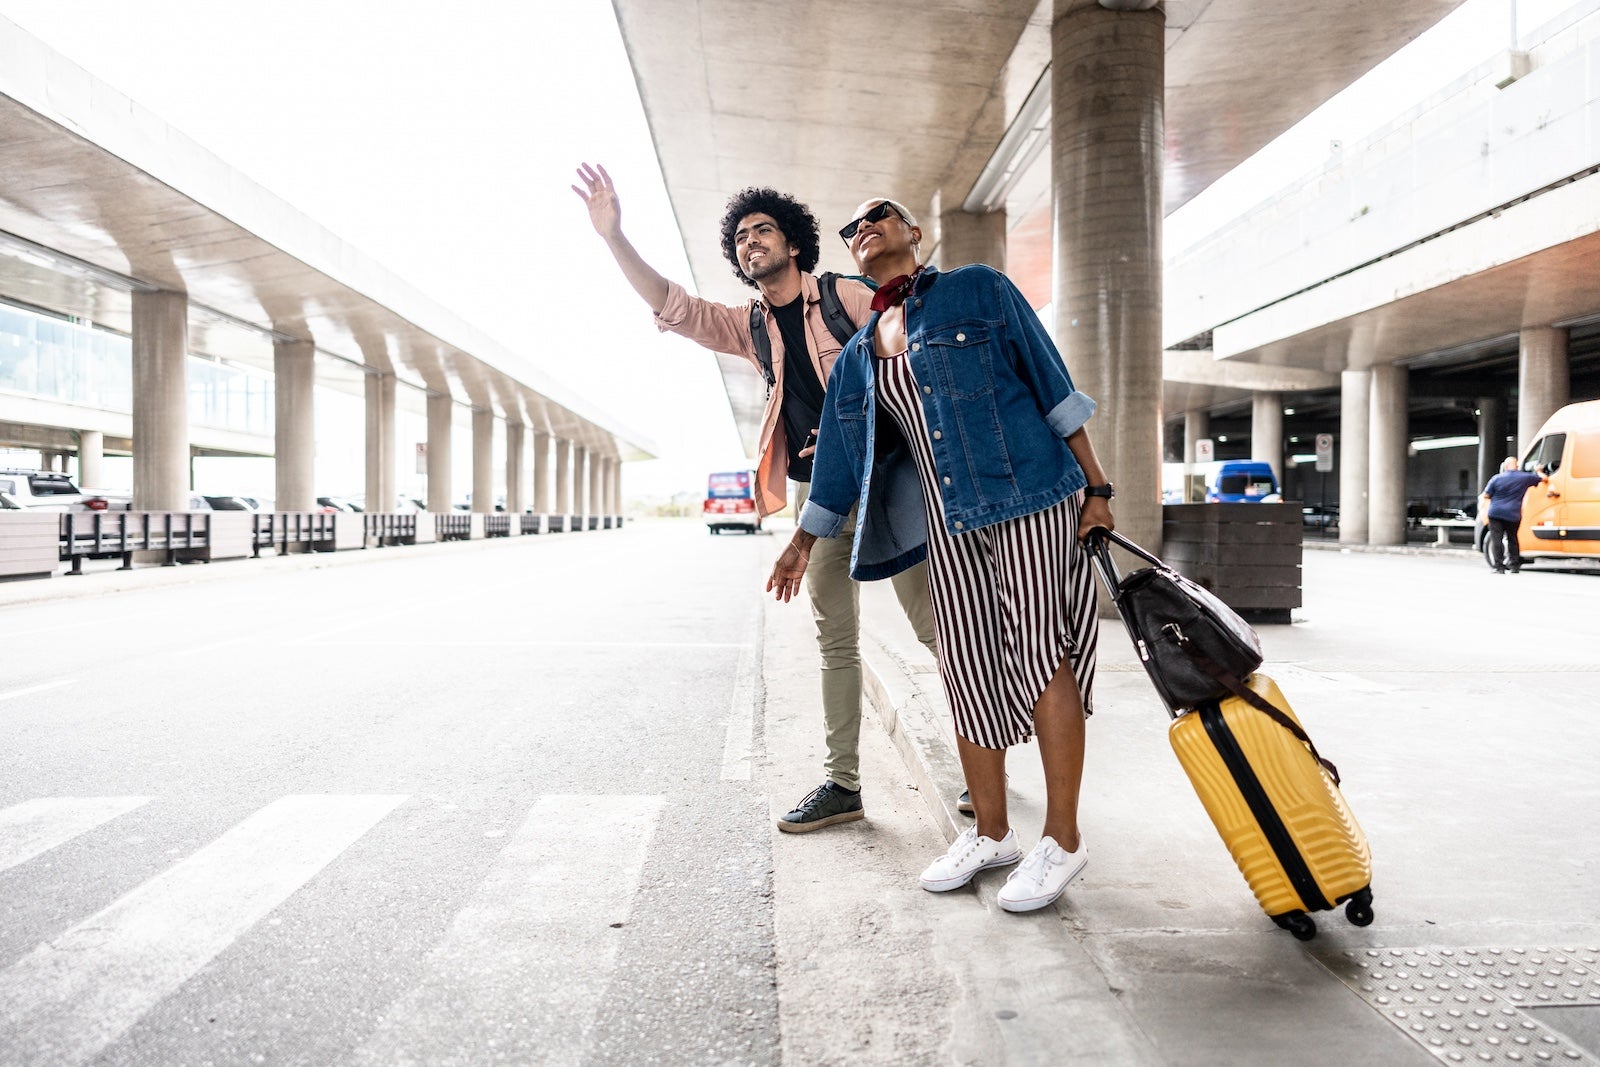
[
  {"x": 98, "y": 198},
  {"x": 803, "y": 98}
]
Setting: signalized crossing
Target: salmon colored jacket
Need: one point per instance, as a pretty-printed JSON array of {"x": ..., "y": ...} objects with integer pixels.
[{"x": 727, "y": 329}]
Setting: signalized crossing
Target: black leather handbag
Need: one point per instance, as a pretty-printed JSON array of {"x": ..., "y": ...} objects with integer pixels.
[{"x": 1184, "y": 635}]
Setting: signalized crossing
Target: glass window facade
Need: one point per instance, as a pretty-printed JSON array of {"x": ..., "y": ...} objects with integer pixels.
[{"x": 53, "y": 359}]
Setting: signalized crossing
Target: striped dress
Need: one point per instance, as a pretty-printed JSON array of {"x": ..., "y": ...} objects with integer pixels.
[{"x": 1010, "y": 600}]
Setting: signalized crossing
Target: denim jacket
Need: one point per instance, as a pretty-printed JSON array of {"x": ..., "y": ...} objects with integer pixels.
[{"x": 999, "y": 405}]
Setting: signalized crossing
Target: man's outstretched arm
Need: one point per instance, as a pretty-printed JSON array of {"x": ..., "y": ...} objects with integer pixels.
[{"x": 605, "y": 212}]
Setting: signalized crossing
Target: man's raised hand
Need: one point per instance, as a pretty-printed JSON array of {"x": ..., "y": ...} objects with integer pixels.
[{"x": 600, "y": 196}]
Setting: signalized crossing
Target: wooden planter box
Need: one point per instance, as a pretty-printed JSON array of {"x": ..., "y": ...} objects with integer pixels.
[{"x": 1247, "y": 554}]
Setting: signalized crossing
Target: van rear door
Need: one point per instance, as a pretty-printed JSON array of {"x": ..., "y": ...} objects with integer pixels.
[{"x": 1578, "y": 506}]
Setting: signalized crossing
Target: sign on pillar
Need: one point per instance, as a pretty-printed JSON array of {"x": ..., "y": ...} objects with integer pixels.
[
  {"x": 1205, "y": 451},
  {"x": 1324, "y": 452},
  {"x": 422, "y": 457}
]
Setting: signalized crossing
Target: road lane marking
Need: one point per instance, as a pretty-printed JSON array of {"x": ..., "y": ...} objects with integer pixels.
[
  {"x": 74, "y": 995},
  {"x": 736, "y": 747},
  {"x": 34, "y": 827},
  {"x": 37, "y": 688},
  {"x": 520, "y": 974}
]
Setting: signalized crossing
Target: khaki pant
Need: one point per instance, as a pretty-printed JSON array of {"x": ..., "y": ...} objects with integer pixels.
[{"x": 836, "y": 605}]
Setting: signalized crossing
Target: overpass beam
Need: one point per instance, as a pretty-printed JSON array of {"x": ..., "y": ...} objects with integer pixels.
[
  {"x": 1391, "y": 440},
  {"x": 294, "y": 380},
  {"x": 1266, "y": 431},
  {"x": 968, "y": 237},
  {"x": 380, "y": 479},
  {"x": 160, "y": 401},
  {"x": 441, "y": 418},
  {"x": 516, "y": 469},
  {"x": 1355, "y": 442},
  {"x": 1106, "y": 157},
  {"x": 482, "y": 460},
  {"x": 1543, "y": 380}
]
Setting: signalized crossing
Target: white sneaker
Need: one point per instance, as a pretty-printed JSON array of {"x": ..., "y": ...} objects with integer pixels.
[
  {"x": 967, "y": 856},
  {"x": 1043, "y": 876}
]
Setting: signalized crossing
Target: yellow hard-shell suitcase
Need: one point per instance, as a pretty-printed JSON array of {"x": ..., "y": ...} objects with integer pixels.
[{"x": 1277, "y": 808}]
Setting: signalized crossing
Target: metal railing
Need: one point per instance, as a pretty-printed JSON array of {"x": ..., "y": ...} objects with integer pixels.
[
  {"x": 103, "y": 534},
  {"x": 289, "y": 530},
  {"x": 391, "y": 529},
  {"x": 497, "y": 525},
  {"x": 456, "y": 526},
  {"x": 530, "y": 522}
]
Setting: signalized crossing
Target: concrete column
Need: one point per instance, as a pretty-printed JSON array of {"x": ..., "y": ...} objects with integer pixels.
[
  {"x": 580, "y": 481},
  {"x": 1266, "y": 430},
  {"x": 294, "y": 427},
  {"x": 966, "y": 237},
  {"x": 482, "y": 461},
  {"x": 441, "y": 415},
  {"x": 1543, "y": 380},
  {"x": 1355, "y": 420},
  {"x": 597, "y": 480},
  {"x": 563, "y": 476},
  {"x": 516, "y": 469},
  {"x": 1106, "y": 156},
  {"x": 1391, "y": 441},
  {"x": 381, "y": 495},
  {"x": 541, "y": 473},
  {"x": 160, "y": 402},
  {"x": 91, "y": 455},
  {"x": 616, "y": 489},
  {"x": 1196, "y": 426},
  {"x": 1491, "y": 439}
]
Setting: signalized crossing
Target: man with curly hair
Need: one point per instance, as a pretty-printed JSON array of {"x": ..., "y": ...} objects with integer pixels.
[{"x": 770, "y": 240}]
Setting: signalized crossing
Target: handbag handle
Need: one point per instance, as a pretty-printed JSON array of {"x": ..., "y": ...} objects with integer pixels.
[{"x": 1098, "y": 536}]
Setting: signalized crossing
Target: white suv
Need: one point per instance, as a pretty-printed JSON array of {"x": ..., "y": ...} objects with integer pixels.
[{"x": 40, "y": 490}]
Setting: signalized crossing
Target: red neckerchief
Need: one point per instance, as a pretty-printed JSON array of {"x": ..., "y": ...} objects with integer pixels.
[{"x": 894, "y": 292}]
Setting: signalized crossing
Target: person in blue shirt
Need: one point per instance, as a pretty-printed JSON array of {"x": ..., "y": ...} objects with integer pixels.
[
  {"x": 952, "y": 427},
  {"x": 1501, "y": 508}
]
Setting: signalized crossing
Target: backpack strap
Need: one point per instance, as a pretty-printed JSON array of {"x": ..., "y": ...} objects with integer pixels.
[
  {"x": 763, "y": 344},
  {"x": 833, "y": 312}
]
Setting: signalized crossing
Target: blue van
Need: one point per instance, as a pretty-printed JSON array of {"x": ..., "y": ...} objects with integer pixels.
[{"x": 1241, "y": 481}]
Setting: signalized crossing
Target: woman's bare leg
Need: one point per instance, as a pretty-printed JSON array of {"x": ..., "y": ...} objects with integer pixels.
[
  {"x": 985, "y": 770},
  {"x": 1058, "y": 722}
]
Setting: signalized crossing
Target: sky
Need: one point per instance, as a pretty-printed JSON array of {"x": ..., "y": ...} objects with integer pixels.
[{"x": 441, "y": 140}]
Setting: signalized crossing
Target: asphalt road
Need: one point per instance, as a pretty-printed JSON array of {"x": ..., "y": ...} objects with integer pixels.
[{"x": 464, "y": 804}]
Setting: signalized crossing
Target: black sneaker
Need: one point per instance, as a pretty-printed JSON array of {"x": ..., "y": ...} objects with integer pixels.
[
  {"x": 964, "y": 803},
  {"x": 827, "y": 804}
]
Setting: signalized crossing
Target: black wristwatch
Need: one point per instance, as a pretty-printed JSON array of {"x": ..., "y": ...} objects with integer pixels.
[{"x": 1108, "y": 490}]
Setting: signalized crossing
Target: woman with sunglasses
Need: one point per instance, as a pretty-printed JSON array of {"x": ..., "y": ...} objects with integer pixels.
[{"x": 951, "y": 421}]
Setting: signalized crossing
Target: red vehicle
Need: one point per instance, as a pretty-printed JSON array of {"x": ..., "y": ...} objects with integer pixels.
[{"x": 731, "y": 502}]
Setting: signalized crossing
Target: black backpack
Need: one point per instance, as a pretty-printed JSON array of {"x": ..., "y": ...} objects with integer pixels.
[{"x": 833, "y": 314}]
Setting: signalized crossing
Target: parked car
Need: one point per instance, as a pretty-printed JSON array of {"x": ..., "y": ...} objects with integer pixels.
[
  {"x": 122, "y": 500},
  {"x": 40, "y": 490},
  {"x": 336, "y": 503},
  {"x": 1320, "y": 516},
  {"x": 228, "y": 503},
  {"x": 1241, "y": 481},
  {"x": 1561, "y": 516}
]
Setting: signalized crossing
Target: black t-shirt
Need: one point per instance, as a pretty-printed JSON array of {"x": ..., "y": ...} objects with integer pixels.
[{"x": 802, "y": 389}]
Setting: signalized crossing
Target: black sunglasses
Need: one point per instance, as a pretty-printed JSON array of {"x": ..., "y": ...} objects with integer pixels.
[{"x": 877, "y": 214}]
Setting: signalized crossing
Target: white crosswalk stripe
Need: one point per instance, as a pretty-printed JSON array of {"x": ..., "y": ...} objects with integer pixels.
[
  {"x": 533, "y": 951},
  {"x": 74, "y": 995},
  {"x": 34, "y": 827}
]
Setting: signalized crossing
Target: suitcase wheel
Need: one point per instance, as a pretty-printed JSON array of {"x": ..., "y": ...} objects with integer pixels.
[
  {"x": 1297, "y": 923},
  {"x": 1359, "y": 908}
]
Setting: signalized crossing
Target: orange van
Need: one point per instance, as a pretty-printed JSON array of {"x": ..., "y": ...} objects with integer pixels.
[{"x": 1561, "y": 517}]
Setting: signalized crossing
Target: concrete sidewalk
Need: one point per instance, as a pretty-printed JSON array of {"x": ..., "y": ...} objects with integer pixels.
[{"x": 1463, "y": 709}]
